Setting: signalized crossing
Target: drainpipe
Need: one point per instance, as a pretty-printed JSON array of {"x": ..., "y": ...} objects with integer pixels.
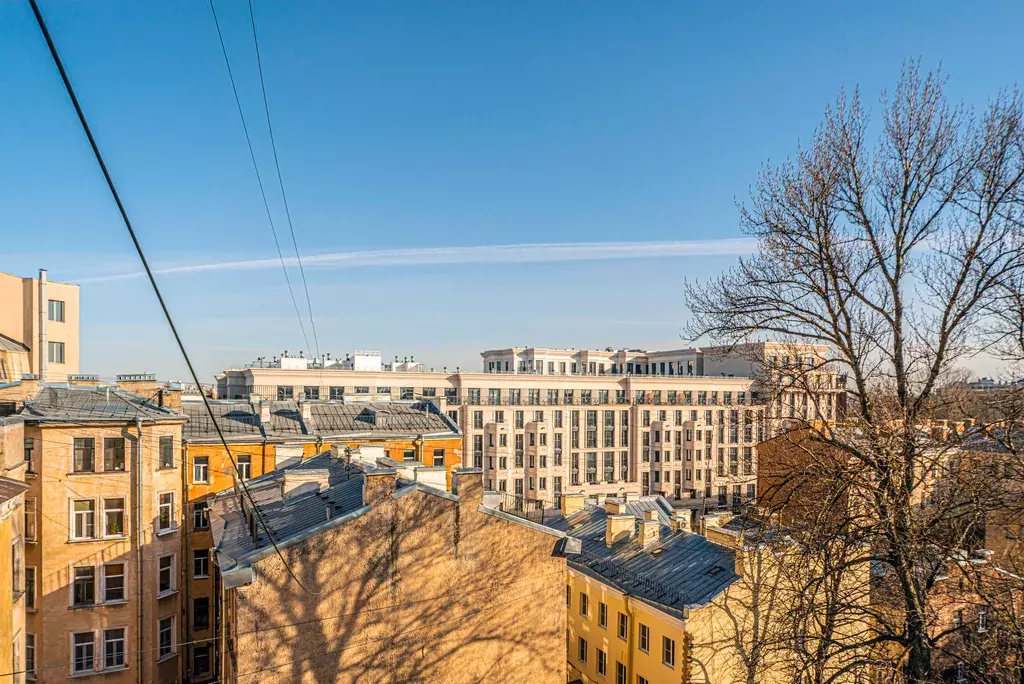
[
  {"x": 43, "y": 317},
  {"x": 137, "y": 532}
]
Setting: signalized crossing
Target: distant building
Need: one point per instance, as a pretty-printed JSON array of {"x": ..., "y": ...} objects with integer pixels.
[
  {"x": 381, "y": 579},
  {"x": 542, "y": 423},
  {"x": 42, "y": 317},
  {"x": 17, "y": 646}
]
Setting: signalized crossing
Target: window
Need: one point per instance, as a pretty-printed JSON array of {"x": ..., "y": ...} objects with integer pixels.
[
  {"x": 602, "y": 662},
  {"x": 668, "y": 651},
  {"x": 285, "y": 392},
  {"x": 409, "y": 455},
  {"x": 56, "y": 352},
  {"x": 200, "y": 515},
  {"x": 568, "y": 596},
  {"x": 982, "y": 620},
  {"x": 85, "y": 455},
  {"x": 30, "y": 520},
  {"x": 84, "y": 588},
  {"x": 620, "y": 673},
  {"x": 478, "y": 419},
  {"x": 84, "y": 652},
  {"x": 113, "y": 648},
  {"x": 55, "y": 311},
  {"x": 641, "y": 680},
  {"x": 311, "y": 392},
  {"x": 201, "y": 660},
  {"x": 200, "y": 468},
  {"x": 438, "y": 457},
  {"x": 113, "y": 453},
  {"x": 30, "y": 655},
  {"x": 84, "y": 523},
  {"x": 582, "y": 651},
  {"x": 165, "y": 519},
  {"x": 958, "y": 618},
  {"x": 623, "y": 626},
  {"x": 645, "y": 638},
  {"x": 366, "y": 390},
  {"x": 200, "y": 563},
  {"x": 30, "y": 587},
  {"x": 30, "y": 452},
  {"x": 584, "y": 604},
  {"x": 113, "y": 582},
  {"x": 201, "y": 613},
  {"x": 244, "y": 465},
  {"x": 335, "y": 393},
  {"x": 602, "y": 614},
  {"x": 113, "y": 518},
  {"x": 167, "y": 451},
  {"x": 166, "y": 637},
  {"x": 165, "y": 574},
  {"x": 16, "y": 565}
]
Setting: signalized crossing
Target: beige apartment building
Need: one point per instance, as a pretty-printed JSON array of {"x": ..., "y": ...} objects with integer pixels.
[
  {"x": 40, "y": 318},
  {"x": 542, "y": 423},
  {"x": 103, "y": 528}
]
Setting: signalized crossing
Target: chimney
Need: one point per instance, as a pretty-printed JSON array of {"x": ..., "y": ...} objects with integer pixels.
[
  {"x": 141, "y": 384},
  {"x": 572, "y": 503},
  {"x": 307, "y": 413},
  {"x": 680, "y": 521},
  {"x": 170, "y": 397},
  {"x": 378, "y": 485},
  {"x": 295, "y": 483},
  {"x": 632, "y": 497},
  {"x": 651, "y": 514},
  {"x": 649, "y": 531},
  {"x": 265, "y": 414},
  {"x": 614, "y": 506},
  {"x": 618, "y": 527}
]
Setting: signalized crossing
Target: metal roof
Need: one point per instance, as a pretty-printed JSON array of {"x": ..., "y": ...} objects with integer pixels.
[
  {"x": 680, "y": 570},
  {"x": 286, "y": 518},
  {"x": 10, "y": 488},
  {"x": 382, "y": 417},
  {"x": 94, "y": 403},
  {"x": 235, "y": 418},
  {"x": 9, "y": 344}
]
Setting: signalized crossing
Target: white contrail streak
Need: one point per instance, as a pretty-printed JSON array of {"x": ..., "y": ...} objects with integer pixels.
[{"x": 490, "y": 254}]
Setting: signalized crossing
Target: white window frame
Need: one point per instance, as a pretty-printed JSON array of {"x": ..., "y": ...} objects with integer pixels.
[
  {"x": 174, "y": 642},
  {"x": 244, "y": 474},
  {"x": 205, "y": 509},
  {"x": 161, "y": 593},
  {"x": 31, "y": 520},
  {"x": 124, "y": 518},
  {"x": 124, "y": 649},
  {"x": 205, "y": 479},
  {"x": 30, "y": 672},
  {"x": 52, "y": 349},
  {"x": 74, "y": 514},
  {"x": 55, "y": 310},
  {"x": 124, "y": 583},
  {"x": 171, "y": 526},
  {"x": 74, "y": 659}
]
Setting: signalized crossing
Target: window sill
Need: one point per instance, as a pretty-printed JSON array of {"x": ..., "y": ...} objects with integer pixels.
[
  {"x": 167, "y": 468},
  {"x": 117, "y": 602},
  {"x": 113, "y": 537},
  {"x": 164, "y": 659},
  {"x": 195, "y": 577},
  {"x": 165, "y": 594},
  {"x": 164, "y": 533},
  {"x": 86, "y": 473}
]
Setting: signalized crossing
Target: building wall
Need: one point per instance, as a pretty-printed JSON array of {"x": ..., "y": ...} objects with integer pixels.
[
  {"x": 12, "y": 533},
  {"x": 625, "y": 652},
  {"x": 55, "y": 554},
  {"x": 421, "y": 588},
  {"x": 19, "y": 319}
]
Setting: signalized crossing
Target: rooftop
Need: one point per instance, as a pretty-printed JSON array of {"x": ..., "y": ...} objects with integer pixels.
[
  {"x": 94, "y": 403},
  {"x": 241, "y": 419},
  {"x": 10, "y": 488},
  {"x": 680, "y": 570}
]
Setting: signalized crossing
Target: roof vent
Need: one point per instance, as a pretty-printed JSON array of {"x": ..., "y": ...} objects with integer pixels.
[{"x": 296, "y": 483}]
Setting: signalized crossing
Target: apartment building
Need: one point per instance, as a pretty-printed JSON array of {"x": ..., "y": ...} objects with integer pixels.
[
  {"x": 380, "y": 579},
  {"x": 17, "y": 647},
  {"x": 41, "y": 318},
  {"x": 650, "y": 601},
  {"x": 264, "y": 436},
  {"x": 103, "y": 531},
  {"x": 541, "y": 423}
]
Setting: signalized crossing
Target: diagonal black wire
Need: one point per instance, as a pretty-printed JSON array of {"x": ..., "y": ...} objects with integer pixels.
[
  {"x": 149, "y": 273},
  {"x": 280, "y": 180},
  {"x": 259, "y": 177}
]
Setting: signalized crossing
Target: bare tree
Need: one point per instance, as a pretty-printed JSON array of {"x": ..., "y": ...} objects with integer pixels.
[{"x": 898, "y": 255}]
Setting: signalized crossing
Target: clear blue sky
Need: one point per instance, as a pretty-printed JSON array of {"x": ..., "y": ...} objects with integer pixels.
[{"x": 413, "y": 125}]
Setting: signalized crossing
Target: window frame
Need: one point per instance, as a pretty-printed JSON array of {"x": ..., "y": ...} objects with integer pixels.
[
  {"x": 107, "y": 640},
  {"x": 73, "y": 601},
  {"x": 87, "y": 448},
  {"x": 622, "y": 627},
  {"x": 166, "y": 447},
  {"x": 170, "y": 525},
  {"x": 244, "y": 474},
  {"x": 171, "y": 650},
  {"x": 73, "y": 637},
  {"x": 643, "y": 640},
  {"x": 205, "y": 563},
  {"x": 105, "y": 587},
  {"x": 110, "y": 454},
  {"x": 90, "y": 522},
  {"x": 668, "y": 652},
  {"x": 124, "y": 520},
  {"x": 172, "y": 587},
  {"x": 201, "y": 466}
]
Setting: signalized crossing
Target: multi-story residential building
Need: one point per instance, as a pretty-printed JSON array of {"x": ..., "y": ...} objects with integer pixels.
[
  {"x": 379, "y": 579},
  {"x": 264, "y": 436},
  {"x": 543, "y": 422},
  {"x": 17, "y": 646},
  {"x": 650, "y": 601},
  {"x": 42, "y": 317},
  {"x": 104, "y": 534}
]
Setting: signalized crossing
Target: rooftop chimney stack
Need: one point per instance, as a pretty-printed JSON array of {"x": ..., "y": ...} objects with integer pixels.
[
  {"x": 618, "y": 528},
  {"x": 649, "y": 531}
]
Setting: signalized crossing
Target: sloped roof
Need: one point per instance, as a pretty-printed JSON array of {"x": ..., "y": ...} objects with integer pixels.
[
  {"x": 10, "y": 488},
  {"x": 383, "y": 417},
  {"x": 94, "y": 403},
  {"x": 680, "y": 570},
  {"x": 235, "y": 418},
  {"x": 286, "y": 518},
  {"x": 9, "y": 344}
]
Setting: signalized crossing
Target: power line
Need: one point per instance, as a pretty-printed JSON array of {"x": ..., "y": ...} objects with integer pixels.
[
  {"x": 149, "y": 273},
  {"x": 280, "y": 180},
  {"x": 259, "y": 177}
]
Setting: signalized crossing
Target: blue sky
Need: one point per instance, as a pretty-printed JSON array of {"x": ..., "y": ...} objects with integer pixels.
[{"x": 428, "y": 125}]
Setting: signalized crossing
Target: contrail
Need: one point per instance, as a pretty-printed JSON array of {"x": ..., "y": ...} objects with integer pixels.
[{"x": 489, "y": 254}]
